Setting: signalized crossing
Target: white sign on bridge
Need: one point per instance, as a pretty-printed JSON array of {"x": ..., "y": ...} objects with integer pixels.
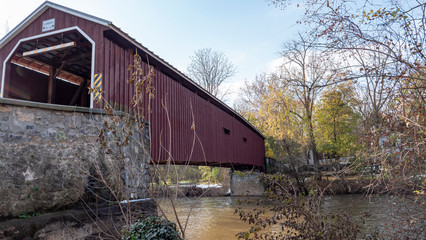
[{"x": 48, "y": 25}]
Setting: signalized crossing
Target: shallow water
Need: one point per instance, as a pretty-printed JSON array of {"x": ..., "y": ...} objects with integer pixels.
[{"x": 213, "y": 218}]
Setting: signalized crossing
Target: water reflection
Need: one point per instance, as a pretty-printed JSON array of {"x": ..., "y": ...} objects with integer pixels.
[
  {"x": 213, "y": 218},
  {"x": 210, "y": 217}
]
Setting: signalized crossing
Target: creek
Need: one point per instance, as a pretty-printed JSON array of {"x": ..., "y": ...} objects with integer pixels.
[{"x": 213, "y": 218}]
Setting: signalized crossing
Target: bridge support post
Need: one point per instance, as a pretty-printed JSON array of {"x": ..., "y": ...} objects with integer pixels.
[{"x": 246, "y": 183}]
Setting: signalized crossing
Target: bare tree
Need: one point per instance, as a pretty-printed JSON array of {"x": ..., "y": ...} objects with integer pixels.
[
  {"x": 269, "y": 104},
  {"x": 306, "y": 72},
  {"x": 211, "y": 69},
  {"x": 6, "y": 28},
  {"x": 375, "y": 91}
]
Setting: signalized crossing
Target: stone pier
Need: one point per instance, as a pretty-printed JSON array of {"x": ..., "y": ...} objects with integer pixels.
[{"x": 246, "y": 184}]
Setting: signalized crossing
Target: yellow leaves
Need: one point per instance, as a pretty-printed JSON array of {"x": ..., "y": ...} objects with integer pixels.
[
  {"x": 143, "y": 84},
  {"x": 375, "y": 14},
  {"x": 269, "y": 153},
  {"x": 335, "y": 119},
  {"x": 417, "y": 192}
]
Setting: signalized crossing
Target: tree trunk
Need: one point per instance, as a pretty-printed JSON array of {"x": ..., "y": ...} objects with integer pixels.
[
  {"x": 313, "y": 147},
  {"x": 293, "y": 169}
]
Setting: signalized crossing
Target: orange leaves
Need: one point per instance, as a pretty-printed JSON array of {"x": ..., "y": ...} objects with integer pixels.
[{"x": 143, "y": 85}]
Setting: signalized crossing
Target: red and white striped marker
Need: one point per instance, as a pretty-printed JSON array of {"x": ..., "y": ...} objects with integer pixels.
[{"x": 47, "y": 49}]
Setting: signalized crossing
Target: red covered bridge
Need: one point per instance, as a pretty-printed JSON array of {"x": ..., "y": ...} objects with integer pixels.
[{"x": 53, "y": 55}]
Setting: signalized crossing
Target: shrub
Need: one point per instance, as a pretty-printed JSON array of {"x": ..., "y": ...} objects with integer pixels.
[{"x": 152, "y": 228}]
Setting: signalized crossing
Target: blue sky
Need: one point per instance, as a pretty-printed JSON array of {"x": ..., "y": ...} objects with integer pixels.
[{"x": 249, "y": 32}]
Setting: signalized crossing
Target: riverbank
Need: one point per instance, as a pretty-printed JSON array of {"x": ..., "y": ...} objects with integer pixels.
[
  {"x": 195, "y": 190},
  {"x": 330, "y": 185},
  {"x": 361, "y": 185},
  {"x": 98, "y": 222},
  {"x": 352, "y": 185}
]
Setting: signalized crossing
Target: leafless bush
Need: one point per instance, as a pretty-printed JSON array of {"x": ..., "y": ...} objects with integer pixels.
[
  {"x": 296, "y": 215},
  {"x": 124, "y": 170}
]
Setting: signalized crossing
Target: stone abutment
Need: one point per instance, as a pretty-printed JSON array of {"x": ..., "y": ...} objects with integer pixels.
[{"x": 53, "y": 157}]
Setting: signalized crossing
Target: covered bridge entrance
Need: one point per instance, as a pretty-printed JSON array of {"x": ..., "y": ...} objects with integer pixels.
[{"x": 53, "y": 68}]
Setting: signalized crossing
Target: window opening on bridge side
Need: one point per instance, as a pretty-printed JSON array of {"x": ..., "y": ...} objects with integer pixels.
[{"x": 226, "y": 131}]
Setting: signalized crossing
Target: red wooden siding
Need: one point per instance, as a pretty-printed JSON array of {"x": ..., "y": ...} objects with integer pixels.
[{"x": 213, "y": 146}]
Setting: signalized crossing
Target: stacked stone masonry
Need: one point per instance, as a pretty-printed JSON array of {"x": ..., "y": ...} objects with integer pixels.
[{"x": 48, "y": 151}]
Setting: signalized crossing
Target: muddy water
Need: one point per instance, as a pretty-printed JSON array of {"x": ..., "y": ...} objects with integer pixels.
[{"x": 213, "y": 218}]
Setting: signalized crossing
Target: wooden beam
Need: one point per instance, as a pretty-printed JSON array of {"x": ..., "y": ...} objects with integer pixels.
[
  {"x": 68, "y": 50},
  {"x": 51, "y": 86},
  {"x": 84, "y": 94},
  {"x": 59, "y": 69},
  {"x": 77, "y": 57},
  {"x": 48, "y": 49},
  {"x": 78, "y": 93}
]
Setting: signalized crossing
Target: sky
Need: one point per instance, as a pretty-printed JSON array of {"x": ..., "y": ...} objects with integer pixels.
[{"x": 248, "y": 32}]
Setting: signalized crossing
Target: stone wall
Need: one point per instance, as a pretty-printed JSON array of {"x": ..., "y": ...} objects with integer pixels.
[
  {"x": 246, "y": 184},
  {"x": 48, "y": 152}
]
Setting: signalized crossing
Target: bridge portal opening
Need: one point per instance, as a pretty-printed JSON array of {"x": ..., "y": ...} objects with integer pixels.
[{"x": 54, "y": 68}]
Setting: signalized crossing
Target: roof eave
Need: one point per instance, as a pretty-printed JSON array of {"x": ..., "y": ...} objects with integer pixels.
[{"x": 168, "y": 65}]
